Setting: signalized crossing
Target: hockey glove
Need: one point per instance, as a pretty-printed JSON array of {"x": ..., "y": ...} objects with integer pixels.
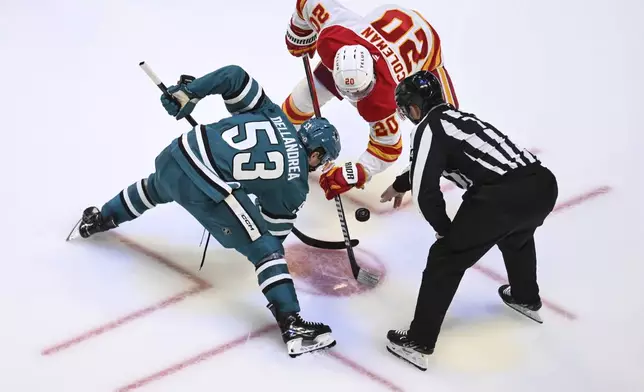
[
  {"x": 183, "y": 101},
  {"x": 300, "y": 41},
  {"x": 340, "y": 179}
]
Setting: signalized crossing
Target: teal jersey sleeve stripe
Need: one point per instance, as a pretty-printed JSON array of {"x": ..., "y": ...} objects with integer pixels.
[
  {"x": 240, "y": 92},
  {"x": 248, "y": 99},
  {"x": 185, "y": 151}
]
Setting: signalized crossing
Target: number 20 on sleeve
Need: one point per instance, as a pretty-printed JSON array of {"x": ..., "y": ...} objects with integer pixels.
[
  {"x": 319, "y": 15},
  {"x": 386, "y": 127}
]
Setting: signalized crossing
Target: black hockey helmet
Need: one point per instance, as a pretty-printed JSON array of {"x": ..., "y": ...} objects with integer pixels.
[{"x": 421, "y": 89}]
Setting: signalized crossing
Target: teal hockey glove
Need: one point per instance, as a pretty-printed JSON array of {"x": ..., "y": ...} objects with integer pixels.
[{"x": 183, "y": 101}]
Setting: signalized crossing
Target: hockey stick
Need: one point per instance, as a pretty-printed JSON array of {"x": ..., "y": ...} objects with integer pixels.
[
  {"x": 301, "y": 236},
  {"x": 155, "y": 79},
  {"x": 359, "y": 274},
  {"x": 331, "y": 245}
]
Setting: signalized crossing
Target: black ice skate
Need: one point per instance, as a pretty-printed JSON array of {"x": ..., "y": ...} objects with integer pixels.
[
  {"x": 92, "y": 222},
  {"x": 408, "y": 350},
  {"x": 529, "y": 310},
  {"x": 302, "y": 336}
]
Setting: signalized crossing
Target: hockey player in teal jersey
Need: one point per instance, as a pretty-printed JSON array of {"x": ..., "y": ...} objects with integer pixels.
[{"x": 213, "y": 169}]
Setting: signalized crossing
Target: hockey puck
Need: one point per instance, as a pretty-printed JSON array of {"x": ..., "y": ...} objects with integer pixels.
[{"x": 362, "y": 214}]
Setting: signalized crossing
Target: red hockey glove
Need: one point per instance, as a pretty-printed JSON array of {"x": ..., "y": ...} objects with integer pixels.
[
  {"x": 300, "y": 41},
  {"x": 340, "y": 179}
]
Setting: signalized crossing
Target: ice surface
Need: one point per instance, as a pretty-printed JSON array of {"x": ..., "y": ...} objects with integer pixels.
[{"x": 81, "y": 121}]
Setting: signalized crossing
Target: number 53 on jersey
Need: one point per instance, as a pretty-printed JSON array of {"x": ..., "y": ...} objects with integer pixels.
[{"x": 269, "y": 161}]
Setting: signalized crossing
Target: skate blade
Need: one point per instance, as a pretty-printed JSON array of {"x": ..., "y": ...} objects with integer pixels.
[
  {"x": 300, "y": 346},
  {"x": 419, "y": 360},
  {"x": 531, "y": 314},
  {"x": 74, "y": 233}
]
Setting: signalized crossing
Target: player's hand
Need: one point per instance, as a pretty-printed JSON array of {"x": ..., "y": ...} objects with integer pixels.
[
  {"x": 391, "y": 193},
  {"x": 300, "y": 41},
  {"x": 183, "y": 101},
  {"x": 338, "y": 180}
]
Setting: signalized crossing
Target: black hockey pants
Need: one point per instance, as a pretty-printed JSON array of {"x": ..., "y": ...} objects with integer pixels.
[{"x": 506, "y": 214}]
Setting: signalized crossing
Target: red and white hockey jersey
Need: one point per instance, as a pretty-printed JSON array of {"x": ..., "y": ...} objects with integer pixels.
[{"x": 401, "y": 42}]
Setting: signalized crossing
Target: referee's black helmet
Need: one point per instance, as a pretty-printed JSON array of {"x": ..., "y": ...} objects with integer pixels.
[{"x": 421, "y": 89}]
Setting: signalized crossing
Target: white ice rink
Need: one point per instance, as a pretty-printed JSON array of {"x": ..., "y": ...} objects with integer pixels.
[{"x": 130, "y": 311}]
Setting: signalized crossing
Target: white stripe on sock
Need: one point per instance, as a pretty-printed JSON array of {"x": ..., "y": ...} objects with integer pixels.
[
  {"x": 270, "y": 264},
  {"x": 129, "y": 204},
  {"x": 274, "y": 279},
  {"x": 144, "y": 199}
]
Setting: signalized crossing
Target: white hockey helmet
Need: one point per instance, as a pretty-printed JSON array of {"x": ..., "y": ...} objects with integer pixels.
[{"x": 353, "y": 72}]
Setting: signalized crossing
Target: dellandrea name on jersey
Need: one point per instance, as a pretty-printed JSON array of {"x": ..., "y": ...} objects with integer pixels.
[{"x": 292, "y": 147}]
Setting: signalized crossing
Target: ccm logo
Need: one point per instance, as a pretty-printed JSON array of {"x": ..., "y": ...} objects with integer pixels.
[
  {"x": 348, "y": 170},
  {"x": 248, "y": 222}
]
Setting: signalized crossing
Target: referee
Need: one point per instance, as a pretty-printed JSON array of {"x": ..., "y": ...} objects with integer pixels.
[{"x": 508, "y": 195}]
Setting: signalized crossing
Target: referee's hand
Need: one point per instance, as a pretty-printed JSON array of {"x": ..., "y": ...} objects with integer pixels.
[{"x": 391, "y": 193}]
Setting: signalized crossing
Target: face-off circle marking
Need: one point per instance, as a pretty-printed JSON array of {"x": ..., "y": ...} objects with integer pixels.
[{"x": 327, "y": 272}]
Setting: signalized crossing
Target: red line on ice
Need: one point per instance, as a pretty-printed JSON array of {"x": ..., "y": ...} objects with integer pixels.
[
  {"x": 564, "y": 205},
  {"x": 163, "y": 260},
  {"x": 222, "y": 348},
  {"x": 547, "y": 303},
  {"x": 201, "y": 285},
  {"x": 364, "y": 371},
  {"x": 225, "y": 347},
  {"x": 122, "y": 321},
  {"x": 575, "y": 201}
]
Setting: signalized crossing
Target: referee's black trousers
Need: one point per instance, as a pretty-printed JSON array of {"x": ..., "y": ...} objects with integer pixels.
[{"x": 506, "y": 214}]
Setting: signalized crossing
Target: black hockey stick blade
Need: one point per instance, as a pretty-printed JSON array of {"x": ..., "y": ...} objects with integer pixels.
[
  {"x": 368, "y": 278},
  {"x": 361, "y": 275},
  {"x": 321, "y": 244}
]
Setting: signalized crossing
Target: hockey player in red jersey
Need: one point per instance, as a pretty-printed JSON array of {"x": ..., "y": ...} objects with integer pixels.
[{"x": 362, "y": 59}]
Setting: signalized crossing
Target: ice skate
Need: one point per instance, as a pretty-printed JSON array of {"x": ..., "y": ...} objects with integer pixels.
[
  {"x": 92, "y": 222},
  {"x": 529, "y": 310},
  {"x": 408, "y": 350},
  {"x": 302, "y": 336}
]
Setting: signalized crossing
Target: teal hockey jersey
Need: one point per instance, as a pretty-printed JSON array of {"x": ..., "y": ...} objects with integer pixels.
[{"x": 256, "y": 149}]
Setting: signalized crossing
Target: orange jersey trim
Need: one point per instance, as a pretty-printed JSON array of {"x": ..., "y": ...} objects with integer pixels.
[
  {"x": 435, "y": 58},
  {"x": 293, "y": 114},
  {"x": 299, "y": 7},
  {"x": 385, "y": 152},
  {"x": 448, "y": 88}
]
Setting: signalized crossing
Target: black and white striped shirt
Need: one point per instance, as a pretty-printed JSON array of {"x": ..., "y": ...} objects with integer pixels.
[{"x": 460, "y": 147}]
